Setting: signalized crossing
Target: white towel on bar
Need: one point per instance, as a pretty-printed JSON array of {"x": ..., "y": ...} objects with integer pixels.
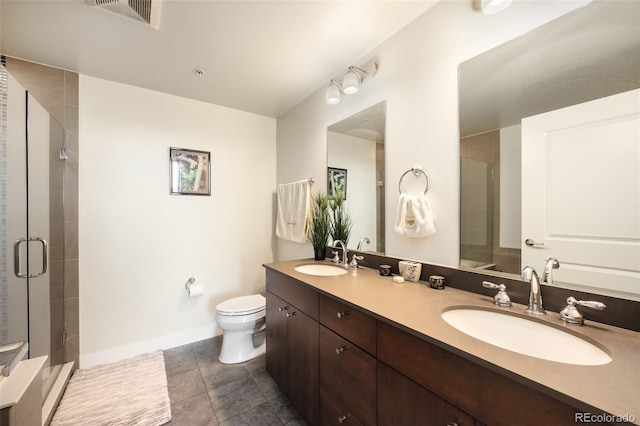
[
  {"x": 294, "y": 211},
  {"x": 414, "y": 218}
]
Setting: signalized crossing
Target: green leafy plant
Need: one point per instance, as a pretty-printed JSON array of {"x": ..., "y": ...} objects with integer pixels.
[
  {"x": 320, "y": 229},
  {"x": 341, "y": 222}
]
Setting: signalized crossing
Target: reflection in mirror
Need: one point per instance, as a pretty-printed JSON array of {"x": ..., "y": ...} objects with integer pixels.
[
  {"x": 355, "y": 154},
  {"x": 588, "y": 54}
]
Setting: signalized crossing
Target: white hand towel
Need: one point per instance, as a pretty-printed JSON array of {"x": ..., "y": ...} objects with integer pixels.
[
  {"x": 294, "y": 211},
  {"x": 414, "y": 218}
]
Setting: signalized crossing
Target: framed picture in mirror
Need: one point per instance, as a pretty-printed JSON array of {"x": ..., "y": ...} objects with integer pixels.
[{"x": 337, "y": 181}]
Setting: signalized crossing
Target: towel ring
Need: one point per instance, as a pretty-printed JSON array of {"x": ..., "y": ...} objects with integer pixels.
[{"x": 416, "y": 172}]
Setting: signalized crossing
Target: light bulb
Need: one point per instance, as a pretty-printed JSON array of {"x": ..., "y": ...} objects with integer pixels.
[
  {"x": 332, "y": 94},
  {"x": 350, "y": 83}
]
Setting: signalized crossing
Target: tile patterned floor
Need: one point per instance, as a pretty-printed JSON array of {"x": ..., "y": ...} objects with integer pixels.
[{"x": 203, "y": 391}]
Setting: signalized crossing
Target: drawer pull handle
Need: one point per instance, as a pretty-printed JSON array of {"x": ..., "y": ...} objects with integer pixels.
[
  {"x": 452, "y": 424},
  {"x": 340, "y": 350},
  {"x": 341, "y": 419},
  {"x": 342, "y": 314},
  {"x": 290, "y": 314},
  {"x": 284, "y": 308}
]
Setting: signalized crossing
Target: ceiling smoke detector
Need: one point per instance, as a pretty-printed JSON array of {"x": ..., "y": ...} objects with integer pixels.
[{"x": 146, "y": 11}]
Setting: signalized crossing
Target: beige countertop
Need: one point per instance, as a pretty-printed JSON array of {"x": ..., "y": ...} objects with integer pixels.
[{"x": 613, "y": 388}]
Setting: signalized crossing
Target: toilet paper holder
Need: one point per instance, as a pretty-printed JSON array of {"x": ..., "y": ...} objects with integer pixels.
[{"x": 189, "y": 282}]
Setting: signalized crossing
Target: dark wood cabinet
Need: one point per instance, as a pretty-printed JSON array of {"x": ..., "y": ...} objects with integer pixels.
[
  {"x": 491, "y": 398},
  {"x": 402, "y": 402},
  {"x": 277, "y": 358},
  {"x": 292, "y": 357},
  {"x": 348, "y": 374},
  {"x": 339, "y": 365},
  {"x": 332, "y": 412},
  {"x": 349, "y": 322},
  {"x": 347, "y": 364}
]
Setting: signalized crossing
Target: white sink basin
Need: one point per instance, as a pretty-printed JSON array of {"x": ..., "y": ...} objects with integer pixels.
[
  {"x": 321, "y": 270},
  {"x": 524, "y": 336}
]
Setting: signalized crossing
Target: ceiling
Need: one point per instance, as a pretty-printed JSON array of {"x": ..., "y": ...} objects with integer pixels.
[{"x": 260, "y": 56}]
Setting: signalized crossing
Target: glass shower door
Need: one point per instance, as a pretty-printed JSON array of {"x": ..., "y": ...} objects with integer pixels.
[{"x": 31, "y": 284}]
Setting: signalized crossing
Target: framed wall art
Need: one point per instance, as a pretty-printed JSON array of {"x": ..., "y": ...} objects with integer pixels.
[
  {"x": 337, "y": 181},
  {"x": 190, "y": 172}
]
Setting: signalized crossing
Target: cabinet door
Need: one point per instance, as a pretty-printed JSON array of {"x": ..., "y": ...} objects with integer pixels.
[
  {"x": 349, "y": 373},
  {"x": 277, "y": 346},
  {"x": 404, "y": 402},
  {"x": 332, "y": 412},
  {"x": 303, "y": 364}
]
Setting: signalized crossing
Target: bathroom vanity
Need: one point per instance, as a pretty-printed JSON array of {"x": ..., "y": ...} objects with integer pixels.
[{"x": 360, "y": 349}]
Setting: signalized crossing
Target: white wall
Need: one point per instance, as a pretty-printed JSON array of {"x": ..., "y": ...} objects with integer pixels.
[
  {"x": 138, "y": 244},
  {"x": 418, "y": 78}
]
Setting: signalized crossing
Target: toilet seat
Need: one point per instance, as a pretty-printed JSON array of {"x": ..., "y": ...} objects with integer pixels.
[{"x": 243, "y": 305}]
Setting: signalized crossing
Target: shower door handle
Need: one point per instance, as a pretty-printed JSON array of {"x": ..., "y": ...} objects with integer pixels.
[{"x": 17, "y": 257}]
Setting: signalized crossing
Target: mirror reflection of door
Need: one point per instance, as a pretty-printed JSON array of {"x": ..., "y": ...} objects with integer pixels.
[
  {"x": 581, "y": 177},
  {"x": 587, "y": 54}
]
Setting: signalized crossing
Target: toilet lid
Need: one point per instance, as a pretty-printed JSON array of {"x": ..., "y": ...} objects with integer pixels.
[{"x": 242, "y": 305}]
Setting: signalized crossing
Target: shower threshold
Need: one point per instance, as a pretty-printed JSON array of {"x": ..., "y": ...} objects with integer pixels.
[{"x": 54, "y": 388}]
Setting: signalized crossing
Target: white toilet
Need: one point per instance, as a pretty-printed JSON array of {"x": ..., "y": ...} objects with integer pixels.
[{"x": 239, "y": 318}]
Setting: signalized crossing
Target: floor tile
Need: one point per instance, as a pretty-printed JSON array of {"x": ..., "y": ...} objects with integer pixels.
[
  {"x": 262, "y": 415},
  {"x": 258, "y": 363},
  {"x": 178, "y": 360},
  {"x": 266, "y": 384},
  {"x": 185, "y": 385},
  {"x": 203, "y": 391},
  {"x": 286, "y": 412},
  {"x": 218, "y": 374},
  {"x": 235, "y": 398},
  {"x": 207, "y": 351},
  {"x": 194, "y": 411}
]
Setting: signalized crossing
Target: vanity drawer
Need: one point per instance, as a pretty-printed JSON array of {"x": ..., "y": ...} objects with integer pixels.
[
  {"x": 349, "y": 374},
  {"x": 332, "y": 412},
  {"x": 348, "y": 322},
  {"x": 294, "y": 292}
]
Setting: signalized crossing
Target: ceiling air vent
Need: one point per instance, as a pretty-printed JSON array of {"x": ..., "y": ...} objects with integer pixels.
[{"x": 147, "y": 11}]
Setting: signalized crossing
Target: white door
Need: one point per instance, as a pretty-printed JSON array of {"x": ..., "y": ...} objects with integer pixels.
[{"x": 581, "y": 193}]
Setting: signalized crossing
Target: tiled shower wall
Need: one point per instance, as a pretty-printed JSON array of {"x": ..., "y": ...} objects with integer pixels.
[
  {"x": 57, "y": 91},
  {"x": 485, "y": 147}
]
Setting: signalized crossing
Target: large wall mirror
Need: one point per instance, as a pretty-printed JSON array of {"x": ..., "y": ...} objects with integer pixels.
[
  {"x": 578, "y": 60},
  {"x": 355, "y": 158}
]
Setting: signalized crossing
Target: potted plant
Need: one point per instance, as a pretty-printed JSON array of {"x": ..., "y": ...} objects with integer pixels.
[
  {"x": 320, "y": 228},
  {"x": 341, "y": 222}
]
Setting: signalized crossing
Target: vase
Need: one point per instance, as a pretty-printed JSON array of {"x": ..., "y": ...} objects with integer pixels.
[{"x": 319, "y": 253}]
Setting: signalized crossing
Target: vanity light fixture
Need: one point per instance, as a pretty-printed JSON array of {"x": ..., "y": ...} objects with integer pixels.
[
  {"x": 489, "y": 7},
  {"x": 333, "y": 92},
  {"x": 350, "y": 83},
  {"x": 351, "y": 80}
]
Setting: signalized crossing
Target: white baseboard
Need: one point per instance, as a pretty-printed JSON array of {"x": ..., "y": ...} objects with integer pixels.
[{"x": 162, "y": 342}]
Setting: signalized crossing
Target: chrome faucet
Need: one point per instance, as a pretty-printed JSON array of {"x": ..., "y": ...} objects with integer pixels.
[
  {"x": 344, "y": 251},
  {"x": 535, "y": 294},
  {"x": 364, "y": 240},
  {"x": 552, "y": 263}
]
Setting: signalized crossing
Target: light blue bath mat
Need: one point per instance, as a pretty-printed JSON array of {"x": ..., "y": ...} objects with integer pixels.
[{"x": 128, "y": 392}]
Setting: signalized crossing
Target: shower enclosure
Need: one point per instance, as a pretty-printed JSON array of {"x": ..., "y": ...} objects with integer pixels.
[{"x": 32, "y": 231}]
